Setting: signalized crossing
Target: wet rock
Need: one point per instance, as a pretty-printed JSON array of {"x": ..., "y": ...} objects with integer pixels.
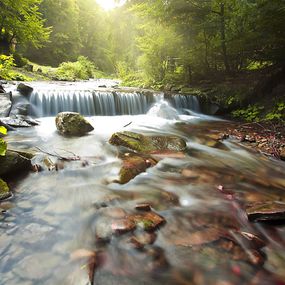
[
  {"x": 25, "y": 89},
  {"x": 282, "y": 154},
  {"x": 145, "y": 238},
  {"x": 73, "y": 124},
  {"x": 143, "y": 207},
  {"x": 4, "y": 190},
  {"x": 2, "y": 90},
  {"x": 5, "y": 104},
  {"x": 270, "y": 211},
  {"x": 148, "y": 221},
  {"x": 133, "y": 166},
  {"x": 147, "y": 144},
  {"x": 13, "y": 162},
  {"x": 248, "y": 240},
  {"x": 114, "y": 212},
  {"x": 199, "y": 237},
  {"x": 19, "y": 121},
  {"x": 25, "y": 153},
  {"x": 82, "y": 254},
  {"x": 121, "y": 226}
]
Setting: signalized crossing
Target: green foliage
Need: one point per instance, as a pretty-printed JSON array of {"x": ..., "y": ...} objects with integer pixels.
[
  {"x": 3, "y": 144},
  {"x": 129, "y": 76},
  {"x": 81, "y": 69},
  {"x": 255, "y": 113},
  {"x": 250, "y": 114},
  {"x": 278, "y": 112},
  {"x": 6, "y": 64},
  {"x": 21, "y": 23},
  {"x": 255, "y": 65},
  {"x": 19, "y": 60}
]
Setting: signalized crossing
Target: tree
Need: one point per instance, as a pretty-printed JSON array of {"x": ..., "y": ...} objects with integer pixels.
[{"x": 21, "y": 23}]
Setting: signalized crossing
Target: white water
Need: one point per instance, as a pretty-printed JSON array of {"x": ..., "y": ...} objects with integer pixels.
[{"x": 87, "y": 98}]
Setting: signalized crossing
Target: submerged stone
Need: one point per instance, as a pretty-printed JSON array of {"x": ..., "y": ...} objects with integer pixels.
[
  {"x": 133, "y": 166},
  {"x": 72, "y": 124},
  {"x": 147, "y": 144},
  {"x": 267, "y": 211},
  {"x": 148, "y": 221},
  {"x": 13, "y": 162},
  {"x": 4, "y": 190}
]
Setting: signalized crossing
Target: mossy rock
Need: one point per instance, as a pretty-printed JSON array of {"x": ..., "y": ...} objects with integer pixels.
[
  {"x": 133, "y": 166},
  {"x": 72, "y": 124},
  {"x": 4, "y": 190},
  {"x": 147, "y": 144},
  {"x": 13, "y": 163}
]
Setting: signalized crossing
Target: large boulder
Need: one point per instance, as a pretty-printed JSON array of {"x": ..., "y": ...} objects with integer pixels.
[
  {"x": 148, "y": 144},
  {"x": 25, "y": 89},
  {"x": 13, "y": 162},
  {"x": 72, "y": 124},
  {"x": 5, "y": 104},
  {"x": 4, "y": 190}
]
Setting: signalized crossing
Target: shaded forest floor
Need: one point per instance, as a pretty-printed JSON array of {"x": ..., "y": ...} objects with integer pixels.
[{"x": 265, "y": 137}]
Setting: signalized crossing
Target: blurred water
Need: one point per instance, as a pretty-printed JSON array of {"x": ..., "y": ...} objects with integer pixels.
[{"x": 53, "y": 214}]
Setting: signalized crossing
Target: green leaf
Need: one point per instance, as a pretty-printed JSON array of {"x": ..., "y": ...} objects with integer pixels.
[
  {"x": 3, "y": 130},
  {"x": 3, "y": 147}
]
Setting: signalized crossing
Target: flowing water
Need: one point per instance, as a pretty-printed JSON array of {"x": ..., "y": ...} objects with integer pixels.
[{"x": 51, "y": 230}]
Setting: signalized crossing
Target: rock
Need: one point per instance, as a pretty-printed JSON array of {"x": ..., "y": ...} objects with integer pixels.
[
  {"x": 147, "y": 144},
  {"x": 19, "y": 121},
  {"x": 267, "y": 211},
  {"x": 133, "y": 166},
  {"x": 2, "y": 90},
  {"x": 73, "y": 124},
  {"x": 4, "y": 190},
  {"x": 282, "y": 154},
  {"x": 5, "y": 104},
  {"x": 145, "y": 238},
  {"x": 13, "y": 162},
  {"x": 25, "y": 89},
  {"x": 120, "y": 226},
  {"x": 143, "y": 207},
  {"x": 147, "y": 221},
  {"x": 199, "y": 237},
  {"x": 25, "y": 153}
]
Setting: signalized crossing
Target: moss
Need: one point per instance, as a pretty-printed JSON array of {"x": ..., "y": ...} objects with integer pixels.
[
  {"x": 133, "y": 166},
  {"x": 147, "y": 144},
  {"x": 145, "y": 224},
  {"x": 13, "y": 163},
  {"x": 73, "y": 124},
  {"x": 4, "y": 190}
]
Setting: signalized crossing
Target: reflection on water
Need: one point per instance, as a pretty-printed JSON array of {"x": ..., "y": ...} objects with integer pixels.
[{"x": 59, "y": 226}]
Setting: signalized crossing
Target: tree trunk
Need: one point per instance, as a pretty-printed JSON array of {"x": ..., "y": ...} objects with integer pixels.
[{"x": 223, "y": 37}]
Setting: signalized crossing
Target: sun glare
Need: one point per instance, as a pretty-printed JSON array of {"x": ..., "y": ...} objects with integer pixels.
[{"x": 110, "y": 4}]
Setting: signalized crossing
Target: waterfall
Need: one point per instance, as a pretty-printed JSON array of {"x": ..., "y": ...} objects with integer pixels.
[{"x": 47, "y": 102}]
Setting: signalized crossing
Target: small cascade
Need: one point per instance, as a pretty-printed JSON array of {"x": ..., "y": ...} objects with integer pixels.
[
  {"x": 49, "y": 102},
  {"x": 181, "y": 102}
]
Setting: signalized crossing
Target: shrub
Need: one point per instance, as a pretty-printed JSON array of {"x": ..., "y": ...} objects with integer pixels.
[
  {"x": 81, "y": 69},
  {"x": 3, "y": 144},
  {"x": 250, "y": 114},
  {"x": 6, "y": 64},
  {"x": 19, "y": 60}
]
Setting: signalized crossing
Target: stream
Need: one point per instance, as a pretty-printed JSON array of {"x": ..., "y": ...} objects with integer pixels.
[{"x": 57, "y": 227}]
